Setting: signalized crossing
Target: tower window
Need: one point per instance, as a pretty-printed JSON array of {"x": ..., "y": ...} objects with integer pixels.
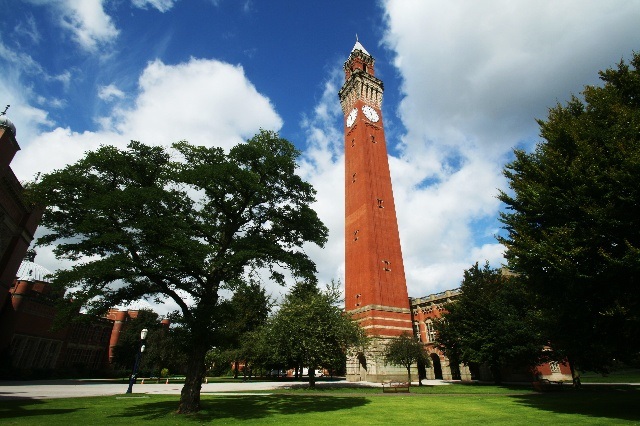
[
  {"x": 380, "y": 203},
  {"x": 373, "y": 139},
  {"x": 353, "y": 177},
  {"x": 386, "y": 266},
  {"x": 353, "y": 143},
  {"x": 358, "y": 299},
  {"x": 355, "y": 235}
]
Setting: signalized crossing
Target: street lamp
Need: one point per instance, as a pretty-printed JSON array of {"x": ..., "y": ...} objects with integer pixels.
[{"x": 132, "y": 378}]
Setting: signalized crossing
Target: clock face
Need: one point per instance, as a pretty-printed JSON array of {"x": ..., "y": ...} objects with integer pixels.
[
  {"x": 352, "y": 117},
  {"x": 370, "y": 113}
]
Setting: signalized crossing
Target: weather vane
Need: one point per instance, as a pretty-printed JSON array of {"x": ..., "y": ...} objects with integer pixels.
[{"x": 5, "y": 110}]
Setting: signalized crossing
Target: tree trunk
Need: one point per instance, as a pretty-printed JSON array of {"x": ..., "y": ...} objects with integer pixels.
[
  {"x": 575, "y": 377},
  {"x": 190, "y": 394},
  {"x": 236, "y": 365},
  {"x": 312, "y": 378},
  {"x": 409, "y": 374},
  {"x": 496, "y": 372}
]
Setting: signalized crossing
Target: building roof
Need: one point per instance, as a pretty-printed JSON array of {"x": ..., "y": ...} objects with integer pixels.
[
  {"x": 7, "y": 124},
  {"x": 31, "y": 271},
  {"x": 360, "y": 47}
]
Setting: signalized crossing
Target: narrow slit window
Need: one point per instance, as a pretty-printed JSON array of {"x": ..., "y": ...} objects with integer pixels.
[
  {"x": 353, "y": 177},
  {"x": 386, "y": 266},
  {"x": 380, "y": 203},
  {"x": 353, "y": 143},
  {"x": 355, "y": 235},
  {"x": 373, "y": 139}
]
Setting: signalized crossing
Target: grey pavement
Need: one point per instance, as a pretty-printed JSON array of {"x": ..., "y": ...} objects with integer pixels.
[{"x": 41, "y": 389}]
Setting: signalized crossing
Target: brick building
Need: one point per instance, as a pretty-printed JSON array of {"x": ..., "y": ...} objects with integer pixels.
[
  {"x": 427, "y": 310},
  {"x": 27, "y": 340},
  {"x": 18, "y": 221},
  {"x": 28, "y": 343}
]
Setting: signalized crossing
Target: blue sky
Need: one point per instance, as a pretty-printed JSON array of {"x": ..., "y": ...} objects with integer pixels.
[{"x": 464, "y": 82}]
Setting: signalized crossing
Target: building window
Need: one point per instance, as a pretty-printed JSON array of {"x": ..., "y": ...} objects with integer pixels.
[
  {"x": 373, "y": 139},
  {"x": 355, "y": 235},
  {"x": 380, "y": 203},
  {"x": 353, "y": 177},
  {"x": 554, "y": 366},
  {"x": 386, "y": 265},
  {"x": 431, "y": 334}
]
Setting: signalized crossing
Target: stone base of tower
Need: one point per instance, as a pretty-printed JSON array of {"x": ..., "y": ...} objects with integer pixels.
[{"x": 368, "y": 365}]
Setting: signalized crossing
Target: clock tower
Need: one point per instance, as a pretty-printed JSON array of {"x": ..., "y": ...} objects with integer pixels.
[{"x": 375, "y": 284}]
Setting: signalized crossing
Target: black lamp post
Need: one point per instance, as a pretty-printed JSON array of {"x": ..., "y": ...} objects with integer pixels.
[{"x": 132, "y": 379}]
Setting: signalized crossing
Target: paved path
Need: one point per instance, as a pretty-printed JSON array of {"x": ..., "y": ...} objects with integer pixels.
[{"x": 41, "y": 389}]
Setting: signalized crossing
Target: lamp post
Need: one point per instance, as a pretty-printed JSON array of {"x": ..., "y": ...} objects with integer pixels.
[{"x": 132, "y": 378}]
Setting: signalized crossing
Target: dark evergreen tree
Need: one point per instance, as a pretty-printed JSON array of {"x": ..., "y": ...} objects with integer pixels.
[
  {"x": 573, "y": 221},
  {"x": 491, "y": 322}
]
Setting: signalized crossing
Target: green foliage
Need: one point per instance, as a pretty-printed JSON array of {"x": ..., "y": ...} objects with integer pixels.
[
  {"x": 310, "y": 330},
  {"x": 162, "y": 346},
  {"x": 147, "y": 222},
  {"x": 405, "y": 351},
  {"x": 573, "y": 221},
  {"x": 491, "y": 322}
]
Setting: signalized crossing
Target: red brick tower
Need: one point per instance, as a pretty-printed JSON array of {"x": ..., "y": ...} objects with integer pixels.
[{"x": 375, "y": 284}]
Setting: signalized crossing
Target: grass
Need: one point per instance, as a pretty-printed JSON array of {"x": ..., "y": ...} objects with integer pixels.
[
  {"x": 620, "y": 376},
  {"x": 460, "y": 405}
]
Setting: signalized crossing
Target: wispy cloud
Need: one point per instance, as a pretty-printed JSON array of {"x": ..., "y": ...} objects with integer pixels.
[{"x": 160, "y": 5}]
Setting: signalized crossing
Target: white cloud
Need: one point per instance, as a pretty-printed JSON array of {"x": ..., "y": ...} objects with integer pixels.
[
  {"x": 90, "y": 26},
  {"x": 476, "y": 75},
  {"x": 206, "y": 102},
  {"x": 161, "y": 5},
  {"x": 110, "y": 92}
]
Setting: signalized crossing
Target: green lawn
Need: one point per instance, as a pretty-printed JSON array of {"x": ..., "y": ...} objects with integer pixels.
[
  {"x": 490, "y": 404},
  {"x": 620, "y": 376}
]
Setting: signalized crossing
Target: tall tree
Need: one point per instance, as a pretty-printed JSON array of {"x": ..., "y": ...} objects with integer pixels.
[
  {"x": 405, "y": 351},
  {"x": 310, "y": 330},
  {"x": 491, "y": 322},
  {"x": 146, "y": 222},
  {"x": 573, "y": 220}
]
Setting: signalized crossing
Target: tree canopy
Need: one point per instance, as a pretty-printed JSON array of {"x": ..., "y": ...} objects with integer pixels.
[
  {"x": 573, "y": 220},
  {"x": 310, "y": 330},
  {"x": 491, "y": 322},
  {"x": 148, "y": 222},
  {"x": 405, "y": 351}
]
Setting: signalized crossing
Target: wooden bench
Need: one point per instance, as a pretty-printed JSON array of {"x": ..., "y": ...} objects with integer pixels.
[
  {"x": 389, "y": 386},
  {"x": 545, "y": 385}
]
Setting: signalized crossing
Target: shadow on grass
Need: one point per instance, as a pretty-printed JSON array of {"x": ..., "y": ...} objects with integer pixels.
[
  {"x": 611, "y": 402},
  {"x": 248, "y": 407},
  {"x": 22, "y": 407}
]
